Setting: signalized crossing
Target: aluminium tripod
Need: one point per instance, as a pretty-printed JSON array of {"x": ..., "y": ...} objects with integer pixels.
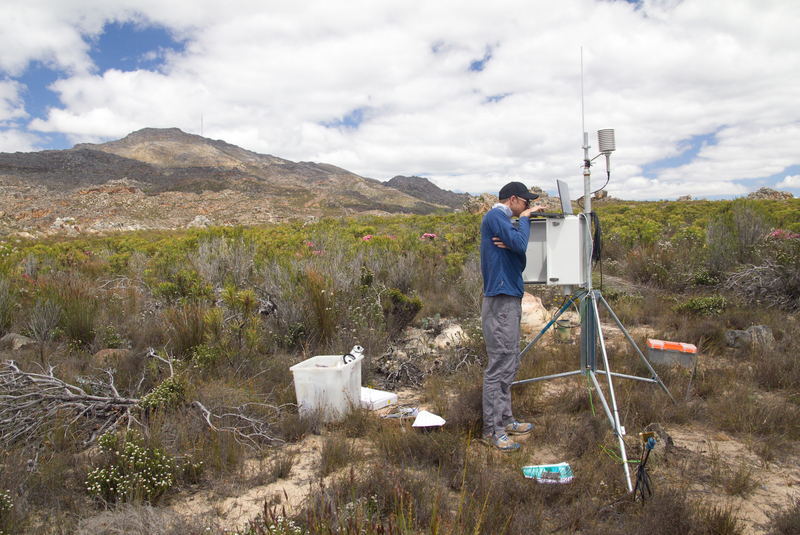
[
  {"x": 591, "y": 337},
  {"x": 591, "y": 333}
]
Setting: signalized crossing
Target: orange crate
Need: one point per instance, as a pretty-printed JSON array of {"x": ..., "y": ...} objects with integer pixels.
[{"x": 671, "y": 353}]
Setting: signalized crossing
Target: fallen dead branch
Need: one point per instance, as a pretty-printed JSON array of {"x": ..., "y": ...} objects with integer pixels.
[
  {"x": 771, "y": 284},
  {"x": 33, "y": 404},
  {"x": 247, "y": 429},
  {"x": 30, "y": 402}
]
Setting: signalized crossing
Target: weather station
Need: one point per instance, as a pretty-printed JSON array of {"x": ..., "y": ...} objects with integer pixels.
[{"x": 562, "y": 250}]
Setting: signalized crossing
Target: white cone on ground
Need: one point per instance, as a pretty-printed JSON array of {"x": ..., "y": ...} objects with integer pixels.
[{"x": 427, "y": 419}]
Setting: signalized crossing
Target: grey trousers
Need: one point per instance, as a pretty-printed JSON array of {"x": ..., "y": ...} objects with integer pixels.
[{"x": 500, "y": 318}]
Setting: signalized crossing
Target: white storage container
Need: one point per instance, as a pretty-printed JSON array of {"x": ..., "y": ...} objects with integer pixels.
[{"x": 327, "y": 384}]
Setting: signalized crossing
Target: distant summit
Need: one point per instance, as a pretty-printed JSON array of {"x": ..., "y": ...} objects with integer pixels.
[{"x": 424, "y": 189}]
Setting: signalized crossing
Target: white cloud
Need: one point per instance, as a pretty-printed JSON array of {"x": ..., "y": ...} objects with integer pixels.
[
  {"x": 791, "y": 182},
  {"x": 12, "y": 106},
  {"x": 12, "y": 140},
  {"x": 269, "y": 76}
]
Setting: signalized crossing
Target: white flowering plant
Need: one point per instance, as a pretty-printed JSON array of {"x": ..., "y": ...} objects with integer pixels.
[
  {"x": 6, "y": 511},
  {"x": 131, "y": 472}
]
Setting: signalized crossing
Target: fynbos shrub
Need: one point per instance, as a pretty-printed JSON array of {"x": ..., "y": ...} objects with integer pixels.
[
  {"x": 170, "y": 393},
  {"x": 400, "y": 311},
  {"x": 8, "y": 302},
  {"x": 712, "y": 305},
  {"x": 130, "y": 472},
  {"x": 6, "y": 511}
]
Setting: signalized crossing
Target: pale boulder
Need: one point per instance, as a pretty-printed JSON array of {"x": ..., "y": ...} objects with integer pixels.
[
  {"x": 451, "y": 336},
  {"x": 17, "y": 342},
  {"x": 534, "y": 314}
]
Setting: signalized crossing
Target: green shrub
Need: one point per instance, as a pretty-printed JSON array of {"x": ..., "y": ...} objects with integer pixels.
[
  {"x": 184, "y": 285},
  {"x": 321, "y": 305},
  {"x": 113, "y": 340},
  {"x": 712, "y": 305},
  {"x": 185, "y": 325},
  {"x": 400, "y": 311},
  {"x": 774, "y": 280},
  {"x": 8, "y": 304},
  {"x": 79, "y": 310},
  {"x": 731, "y": 236},
  {"x": 204, "y": 357},
  {"x": 170, "y": 393}
]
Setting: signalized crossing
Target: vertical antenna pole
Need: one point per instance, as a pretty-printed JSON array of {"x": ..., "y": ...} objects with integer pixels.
[
  {"x": 588, "y": 326},
  {"x": 587, "y": 193}
]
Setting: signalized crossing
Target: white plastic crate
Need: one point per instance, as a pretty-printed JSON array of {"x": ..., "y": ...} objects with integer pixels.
[{"x": 327, "y": 384}]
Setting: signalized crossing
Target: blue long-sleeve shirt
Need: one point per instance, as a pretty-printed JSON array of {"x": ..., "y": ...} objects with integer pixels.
[{"x": 502, "y": 268}]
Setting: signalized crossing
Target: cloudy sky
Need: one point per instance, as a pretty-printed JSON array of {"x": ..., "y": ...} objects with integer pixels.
[{"x": 702, "y": 94}]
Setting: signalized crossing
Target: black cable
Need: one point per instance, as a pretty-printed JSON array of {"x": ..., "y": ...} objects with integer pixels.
[
  {"x": 642, "y": 478},
  {"x": 597, "y": 239},
  {"x": 608, "y": 178}
]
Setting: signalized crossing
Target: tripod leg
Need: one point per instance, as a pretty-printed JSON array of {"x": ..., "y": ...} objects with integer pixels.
[
  {"x": 614, "y": 424},
  {"x": 635, "y": 347},
  {"x": 615, "y": 420}
]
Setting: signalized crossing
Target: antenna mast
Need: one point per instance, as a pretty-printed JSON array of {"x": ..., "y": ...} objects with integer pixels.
[{"x": 587, "y": 192}]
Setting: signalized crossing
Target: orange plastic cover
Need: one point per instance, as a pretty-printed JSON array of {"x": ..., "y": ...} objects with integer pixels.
[{"x": 671, "y": 346}]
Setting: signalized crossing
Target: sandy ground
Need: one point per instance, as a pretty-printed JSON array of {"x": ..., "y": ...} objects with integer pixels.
[{"x": 696, "y": 456}]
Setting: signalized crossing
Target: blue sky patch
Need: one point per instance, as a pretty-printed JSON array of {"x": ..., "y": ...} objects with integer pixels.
[
  {"x": 130, "y": 47},
  {"x": 479, "y": 64},
  {"x": 690, "y": 149},
  {"x": 350, "y": 121},
  {"x": 38, "y": 99},
  {"x": 496, "y": 98}
]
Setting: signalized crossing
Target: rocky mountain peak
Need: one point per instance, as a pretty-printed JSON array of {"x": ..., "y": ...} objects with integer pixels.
[
  {"x": 422, "y": 188},
  {"x": 171, "y": 147}
]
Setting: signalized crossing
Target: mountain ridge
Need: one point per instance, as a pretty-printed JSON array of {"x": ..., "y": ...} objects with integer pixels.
[
  {"x": 422, "y": 188},
  {"x": 189, "y": 173}
]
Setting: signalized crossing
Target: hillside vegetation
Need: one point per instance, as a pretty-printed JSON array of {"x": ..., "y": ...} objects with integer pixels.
[{"x": 158, "y": 364}]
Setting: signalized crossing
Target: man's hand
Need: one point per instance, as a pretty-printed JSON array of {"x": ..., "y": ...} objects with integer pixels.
[
  {"x": 499, "y": 243},
  {"x": 527, "y": 212}
]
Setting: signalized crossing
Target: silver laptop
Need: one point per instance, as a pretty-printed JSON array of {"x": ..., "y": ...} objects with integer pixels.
[{"x": 566, "y": 202}]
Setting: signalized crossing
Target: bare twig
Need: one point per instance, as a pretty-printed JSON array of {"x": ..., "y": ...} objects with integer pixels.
[
  {"x": 248, "y": 430},
  {"x": 153, "y": 355}
]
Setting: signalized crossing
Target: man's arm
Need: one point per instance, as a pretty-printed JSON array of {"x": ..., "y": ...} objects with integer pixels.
[{"x": 526, "y": 213}]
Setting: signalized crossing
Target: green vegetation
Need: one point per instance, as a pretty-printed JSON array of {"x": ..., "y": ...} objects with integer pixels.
[{"x": 227, "y": 311}]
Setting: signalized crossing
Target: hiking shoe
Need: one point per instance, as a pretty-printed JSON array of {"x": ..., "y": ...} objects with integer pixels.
[
  {"x": 517, "y": 428},
  {"x": 503, "y": 443}
]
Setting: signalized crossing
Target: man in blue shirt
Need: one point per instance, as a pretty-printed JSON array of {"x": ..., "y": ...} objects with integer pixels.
[{"x": 503, "y": 259}]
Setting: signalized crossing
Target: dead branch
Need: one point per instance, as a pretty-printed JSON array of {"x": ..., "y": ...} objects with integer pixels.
[
  {"x": 30, "y": 402},
  {"x": 770, "y": 284},
  {"x": 153, "y": 355},
  {"x": 246, "y": 429}
]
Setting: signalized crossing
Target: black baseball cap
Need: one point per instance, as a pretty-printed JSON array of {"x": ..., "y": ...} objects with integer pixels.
[{"x": 517, "y": 189}]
